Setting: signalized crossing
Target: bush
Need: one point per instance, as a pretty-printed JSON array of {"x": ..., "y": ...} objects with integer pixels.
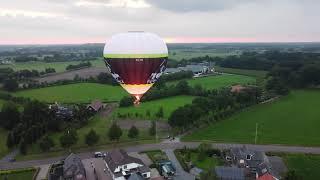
[{"x": 126, "y": 101}]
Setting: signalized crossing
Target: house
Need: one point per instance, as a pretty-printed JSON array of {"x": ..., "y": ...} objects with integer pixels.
[
  {"x": 121, "y": 166},
  {"x": 62, "y": 112},
  {"x": 73, "y": 168},
  {"x": 230, "y": 173},
  {"x": 95, "y": 106},
  {"x": 256, "y": 162}
]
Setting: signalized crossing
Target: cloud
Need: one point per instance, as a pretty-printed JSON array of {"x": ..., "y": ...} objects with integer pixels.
[{"x": 196, "y": 5}]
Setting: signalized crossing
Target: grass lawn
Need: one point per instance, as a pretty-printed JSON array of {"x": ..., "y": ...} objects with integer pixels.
[
  {"x": 1, "y": 103},
  {"x": 156, "y": 155},
  {"x": 3, "y": 139},
  {"x": 219, "y": 81},
  {"x": 305, "y": 165},
  {"x": 75, "y": 93},
  {"x": 207, "y": 164},
  {"x": 292, "y": 120},
  {"x": 246, "y": 72},
  {"x": 23, "y": 175},
  {"x": 168, "y": 104},
  {"x": 41, "y": 66}
]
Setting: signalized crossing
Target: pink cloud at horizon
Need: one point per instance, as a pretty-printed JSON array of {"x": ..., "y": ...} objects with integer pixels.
[{"x": 48, "y": 41}]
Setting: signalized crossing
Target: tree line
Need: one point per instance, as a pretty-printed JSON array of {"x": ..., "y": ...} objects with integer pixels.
[
  {"x": 78, "y": 66},
  {"x": 214, "y": 106},
  {"x": 29, "y": 123}
]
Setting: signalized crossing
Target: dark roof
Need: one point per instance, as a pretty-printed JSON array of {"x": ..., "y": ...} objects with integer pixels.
[
  {"x": 257, "y": 157},
  {"x": 233, "y": 173},
  {"x": 73, "y": 168},
  {"x": 96, "y": 105},
  {"x": 119, "y": 157}
]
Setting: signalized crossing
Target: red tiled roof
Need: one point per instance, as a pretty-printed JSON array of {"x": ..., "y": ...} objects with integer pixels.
[{"x": 266, "y": 176}]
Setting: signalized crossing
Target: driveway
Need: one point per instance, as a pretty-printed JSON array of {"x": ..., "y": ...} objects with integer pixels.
[
  {"x": 97, "y": 165},
  {"x": 180, "y": 173}
]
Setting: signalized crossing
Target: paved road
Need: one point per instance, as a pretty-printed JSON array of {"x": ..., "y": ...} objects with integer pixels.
[
  {"x": 163, "y": 146},
  {"x": 9, "y": 156},
  {"x": 180, "y": 173}
]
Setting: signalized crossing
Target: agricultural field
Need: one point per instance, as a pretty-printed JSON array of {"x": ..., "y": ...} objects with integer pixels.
[
  {"x": 246, "y": 72},
  {"x": 219, "y": 81},
  {"x": 168, "y": 104},
  {"x": 290, "y": 120},
  {"x": 75, "y": 93},
  {"x": 304, "y": 165},
  {"x": 41, "y": 66},
  {"x": 192, "y": 53}
]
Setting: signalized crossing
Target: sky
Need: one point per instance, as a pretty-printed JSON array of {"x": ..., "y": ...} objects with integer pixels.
[{"x": 177, "y": 21}]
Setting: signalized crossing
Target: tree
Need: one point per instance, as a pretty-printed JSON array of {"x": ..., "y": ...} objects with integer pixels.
[
  {"x": 10, "y": 84},
  {"x": 10, "y": 115},
  {"x": 69, "y": 138},
  {"x": 126, "y": 101},
  {"x": 92, "y": 138},
  {"x": 183, "y": 87},
  {"x": 152, "y": 130},
  {"x": 46, "y": 143},
  {"x": 160, "y": 113},
  {"x": 133, "y": 132},
  {"x": 115, "y": 132},
  {"x": 10, "y": 140},
  {"x": 23, "y": 147}
]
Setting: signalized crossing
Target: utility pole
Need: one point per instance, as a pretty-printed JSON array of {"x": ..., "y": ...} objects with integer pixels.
[{"x": 256, "y": 136}]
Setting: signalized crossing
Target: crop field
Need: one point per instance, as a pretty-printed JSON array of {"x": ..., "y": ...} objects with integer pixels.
[
  {"x": 168, "y": 104},
  {"x": 305, "y": 165},
  {"x": 219, "y": 81},
  {"x": 192, "y": 53},
  {"x": 75, "y": 93},
  {"x": 41, "y": 66},
  {"x": 246, "y": 72},
  {"x": 291, "y": 120}
]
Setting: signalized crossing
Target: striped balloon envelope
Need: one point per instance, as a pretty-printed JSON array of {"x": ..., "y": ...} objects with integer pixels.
[{"x": 136, "y": 60}]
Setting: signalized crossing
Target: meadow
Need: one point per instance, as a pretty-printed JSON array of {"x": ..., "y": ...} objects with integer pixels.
[
  {"x": 41, "y": 66},
  {"x": 246, "y": 72},
  {"x": 75, "y": 93},
  {"x": 220, "y": 81},
  {"x": 305, "y": 165},
  {"x": 290, "y": 120},
  {"x": 192, "y": 53},
  {"x": 168, "y": 104},
  {"x": 19, "y": 175}
]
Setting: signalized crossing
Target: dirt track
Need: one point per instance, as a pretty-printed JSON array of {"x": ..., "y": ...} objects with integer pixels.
[{"x": 69, "y": 75}]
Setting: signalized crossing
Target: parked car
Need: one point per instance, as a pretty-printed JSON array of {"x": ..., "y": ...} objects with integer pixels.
[{"x": 99, "y": 154}]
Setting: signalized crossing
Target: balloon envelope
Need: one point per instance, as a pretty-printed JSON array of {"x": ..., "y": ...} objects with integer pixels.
[{"x": 136, "y": 60}]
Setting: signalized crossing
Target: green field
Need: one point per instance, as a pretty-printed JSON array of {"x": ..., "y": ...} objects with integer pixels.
[
  {"x": 305, "y": 165},
  {"x": 168, "y": 105},
  {"x": 246, "y": 72},
  {"x": 292, "y": 120},
  {"x": 41, "y": 66},
  {"x": 23, "y": 175},
  {"x": 192, "y": 53},
  {"x": 1, "y": 103},
  {"x": 75, "y": 93},
  {"x": 220, "y": 81}
]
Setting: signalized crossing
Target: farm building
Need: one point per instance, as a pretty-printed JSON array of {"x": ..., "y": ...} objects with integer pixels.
[
  {"x": 233, "y": 173},
  {"x": 121, "y": 166},
  {"x": 95, "y": 106},
  {"x": 197, "y": 69}
]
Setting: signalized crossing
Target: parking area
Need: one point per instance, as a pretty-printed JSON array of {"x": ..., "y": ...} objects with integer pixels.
[{"x": 99, "y": 166}]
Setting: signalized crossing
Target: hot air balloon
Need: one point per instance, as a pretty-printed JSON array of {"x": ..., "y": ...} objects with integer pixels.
[{"x": 136, "y": 60}]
